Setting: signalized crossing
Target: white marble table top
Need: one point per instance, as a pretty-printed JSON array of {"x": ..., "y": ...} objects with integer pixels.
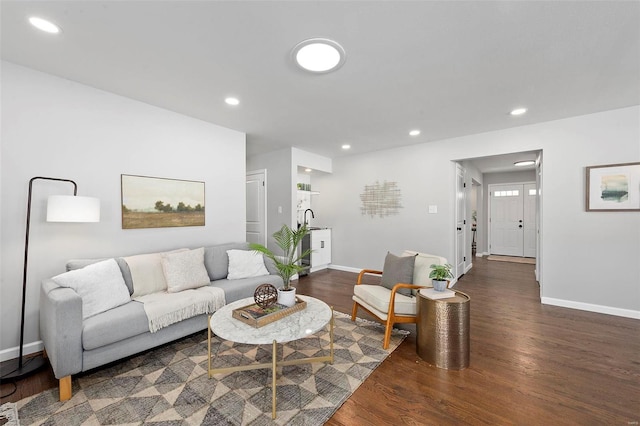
[{"x": 292, "y": 327}]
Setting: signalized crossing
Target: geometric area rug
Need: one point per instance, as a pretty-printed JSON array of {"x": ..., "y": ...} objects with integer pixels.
[{"x": 169, "y": 385}]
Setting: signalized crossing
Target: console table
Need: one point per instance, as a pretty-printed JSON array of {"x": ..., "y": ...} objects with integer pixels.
[{"x": 443, "y": 331}]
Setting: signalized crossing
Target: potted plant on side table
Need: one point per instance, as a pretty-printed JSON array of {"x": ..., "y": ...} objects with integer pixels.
[
  {"x": 439, "y": 276},
  {"x": 288, "y": 264}
]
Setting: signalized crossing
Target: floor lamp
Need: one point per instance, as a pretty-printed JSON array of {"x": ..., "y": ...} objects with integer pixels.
[{"x": 60, "y": 208}]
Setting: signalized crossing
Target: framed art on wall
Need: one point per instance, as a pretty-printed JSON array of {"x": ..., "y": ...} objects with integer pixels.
[
  {"x": 613, "y": 188},
  {"x": 151, "y": 202}
]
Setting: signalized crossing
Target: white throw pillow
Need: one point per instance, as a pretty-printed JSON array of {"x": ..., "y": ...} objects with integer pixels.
[
  {"x": 245, "y": 264},
  {"x": 100, "y": 285},
  {"x": 184, "y": 270},
  {"x": 147, "y": 274}
]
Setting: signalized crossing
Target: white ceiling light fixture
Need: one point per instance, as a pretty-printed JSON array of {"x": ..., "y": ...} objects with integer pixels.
[
  {"x": 44, "y": 25},
  {"x": 518, "y": 111},
  {"x": 308, "y": 170},
  {"x": 346, "y": 146},
  {"x": 524, "y": 163},
  {"x": 318, "y": 55},
  {"x": 232, "y": 101},
  {"x": 415, "y": 132}
]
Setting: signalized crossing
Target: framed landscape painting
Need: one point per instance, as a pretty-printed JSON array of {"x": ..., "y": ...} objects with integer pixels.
[
  {"x": 151, "y": 202},
  {"x": 613, "y": 188}
]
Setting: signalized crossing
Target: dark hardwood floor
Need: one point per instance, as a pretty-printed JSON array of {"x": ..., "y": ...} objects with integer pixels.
[{"x": 530, "y": 363}]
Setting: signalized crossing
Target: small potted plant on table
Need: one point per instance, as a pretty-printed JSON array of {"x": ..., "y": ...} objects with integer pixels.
[
  {"x": 439, "y": 276},
  {"x": 288, "y": 264}
]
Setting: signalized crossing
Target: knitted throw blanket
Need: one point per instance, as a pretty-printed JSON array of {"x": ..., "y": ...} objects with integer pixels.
[{"x": 164, "y": 309}]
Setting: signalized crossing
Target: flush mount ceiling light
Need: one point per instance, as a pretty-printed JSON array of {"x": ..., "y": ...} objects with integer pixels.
[
  {"x": 346, "y": 146},
  {"x": 44, "y": 25},
  {"x": 415, "y": 132},
  {"x": 232, "y": 101},
  {"x": 524, "y": 163},
  {"x": 518, "y": 111},
  {"x": 318, "y": 55}
]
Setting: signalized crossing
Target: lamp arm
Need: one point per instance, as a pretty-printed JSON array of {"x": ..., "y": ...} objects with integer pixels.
[{"x": 26, "y": 253}]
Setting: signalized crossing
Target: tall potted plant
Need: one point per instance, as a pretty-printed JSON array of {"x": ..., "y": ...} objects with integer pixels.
[
  {"x": 439, "y": 275},
  {"x": 288, "y": 264}
]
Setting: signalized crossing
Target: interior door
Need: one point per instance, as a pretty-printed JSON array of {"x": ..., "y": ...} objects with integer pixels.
[
  {"x": 256, "y": 210},
  {"x": 460, "y": 221},
  {"x": 529, "y": 220},
  {"x": 506, "y": 220}
]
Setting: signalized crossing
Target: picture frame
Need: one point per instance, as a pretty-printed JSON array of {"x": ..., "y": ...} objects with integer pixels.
[
  {"x": 154, "y": 202},
  {"x": 613, "y": 188}
]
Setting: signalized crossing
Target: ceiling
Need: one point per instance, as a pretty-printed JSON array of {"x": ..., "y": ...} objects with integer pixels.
[{"x": 447, "y": 68}]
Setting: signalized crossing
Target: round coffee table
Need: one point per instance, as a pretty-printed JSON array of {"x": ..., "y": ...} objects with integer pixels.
[{"x": 306, "y": 322}]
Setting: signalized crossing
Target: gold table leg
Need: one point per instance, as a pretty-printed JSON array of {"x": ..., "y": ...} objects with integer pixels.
[{"x": 274, "y": 366}]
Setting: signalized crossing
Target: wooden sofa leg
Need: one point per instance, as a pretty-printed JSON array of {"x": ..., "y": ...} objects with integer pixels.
[
  {"x": 387, "y": 334},
  {"x": 65, "y": 388},
  {"x": 354, "y": 311}
]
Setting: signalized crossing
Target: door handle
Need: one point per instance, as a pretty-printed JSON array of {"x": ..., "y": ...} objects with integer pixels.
[
  {"x": 519, "y": 226},
  {"x": 459, "y": 229}
]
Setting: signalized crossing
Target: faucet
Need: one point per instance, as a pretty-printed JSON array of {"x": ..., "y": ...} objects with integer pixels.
[{"x": 306, "y": 222}]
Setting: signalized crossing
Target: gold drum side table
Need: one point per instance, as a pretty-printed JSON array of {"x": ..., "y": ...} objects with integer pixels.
[{"x": 443, "y": 331}]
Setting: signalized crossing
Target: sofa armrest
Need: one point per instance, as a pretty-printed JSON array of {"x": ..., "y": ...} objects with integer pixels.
[{"x": 61, "y": 328}]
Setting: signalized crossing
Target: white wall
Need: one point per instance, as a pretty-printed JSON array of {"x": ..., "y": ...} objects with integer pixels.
[
  {"x": 58, "y": 128},
  {"x": 573, "y": 242}
]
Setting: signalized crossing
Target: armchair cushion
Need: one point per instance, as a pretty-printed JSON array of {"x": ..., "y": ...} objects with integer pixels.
[
  {"x": 398, "y": 269},
  {"x": 378, "y": 297},
  {"x": 422, "y": 268}
]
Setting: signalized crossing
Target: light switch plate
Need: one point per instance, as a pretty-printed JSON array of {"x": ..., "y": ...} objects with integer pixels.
[{"x": 433, "y": 209}]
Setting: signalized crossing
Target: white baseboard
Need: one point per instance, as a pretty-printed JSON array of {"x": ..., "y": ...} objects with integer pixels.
[
  {"x": 468, "y": 268},
  {"x": 29, "y": 348},
  {"x": 345, "y": 268},
  {"x": 627, "y": 313}
]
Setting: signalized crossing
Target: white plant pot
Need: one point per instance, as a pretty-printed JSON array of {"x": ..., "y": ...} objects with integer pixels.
[
  {"x": 439, "y": 285},
  {"x": 287, "y": 297}
]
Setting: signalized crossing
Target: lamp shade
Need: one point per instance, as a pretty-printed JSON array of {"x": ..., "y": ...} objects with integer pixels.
[{"x": 71, "y": 208}]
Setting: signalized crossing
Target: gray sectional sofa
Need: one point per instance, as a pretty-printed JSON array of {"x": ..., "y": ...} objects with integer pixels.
[{"x": 74, "y": 345}]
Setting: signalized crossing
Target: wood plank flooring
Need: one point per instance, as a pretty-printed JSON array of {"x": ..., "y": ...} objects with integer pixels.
[{"x": 530, "y": 363}]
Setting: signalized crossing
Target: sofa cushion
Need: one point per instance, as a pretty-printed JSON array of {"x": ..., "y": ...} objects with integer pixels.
[
  {"x": 184, "y": 270},
  {"x": 114, "y": 325},
  {"x": 398, "y": 270},
  {"x": 100, "y": 286},
  {"x": 216, "y": 259},
  {"x": 378, "y": 297},
  {"x": 245, "y": 264},
  {"x": 239, "y": 289}
]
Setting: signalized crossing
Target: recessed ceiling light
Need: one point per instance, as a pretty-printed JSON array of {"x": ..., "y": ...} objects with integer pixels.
[
  {"x": 415, "y": 132},
  {"x": 44, "y": 25},
  {"x": 232, "y": 101},
  {"x": 318, "y": 55},
  {"x": 524, "y": 163},
  {"x": 307, "y": 170},
  {"x": 346, "y": 146},
  {"x": 518, "y": 111}
]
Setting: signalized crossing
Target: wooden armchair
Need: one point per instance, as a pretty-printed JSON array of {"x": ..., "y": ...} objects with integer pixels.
[{"x": 389, "y": 306}]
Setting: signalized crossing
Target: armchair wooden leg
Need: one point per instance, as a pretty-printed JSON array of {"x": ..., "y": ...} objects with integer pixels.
[
  {"x": 387, "y": 334},
  {"x": 354, "y": 311},
  {"x": 65, "y": 388}
]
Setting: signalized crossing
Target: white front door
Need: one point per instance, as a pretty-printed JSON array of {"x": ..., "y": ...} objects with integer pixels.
[
  {"x": 256, "y": 211},
  {"x": 506, "y": 221},
  {"x": 513, "y": 220},
  {"x": 460, "y": 221}
]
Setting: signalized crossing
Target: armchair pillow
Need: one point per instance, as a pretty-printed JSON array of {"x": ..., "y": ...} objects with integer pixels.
[
  {"x": 245, "y": 264},
  {"x": 100, "y": 285},
  {"x": 185, "y": 270},
  {"x": 398, "y": 269}
]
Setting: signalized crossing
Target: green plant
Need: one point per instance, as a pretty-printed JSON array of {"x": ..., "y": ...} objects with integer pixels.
[
  {"x": 441, "y": 272},
  {"x": 287, "y": 240}
]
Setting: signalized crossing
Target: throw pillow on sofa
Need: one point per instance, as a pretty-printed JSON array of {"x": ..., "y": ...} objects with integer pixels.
[
  {"x": 100, "y": 285},
  {"x": 245, "y": 264},
  {"x": 185, "y": 270},
  {"x": 147, "y": 274},
  {"x": 398, "y": 270}
]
